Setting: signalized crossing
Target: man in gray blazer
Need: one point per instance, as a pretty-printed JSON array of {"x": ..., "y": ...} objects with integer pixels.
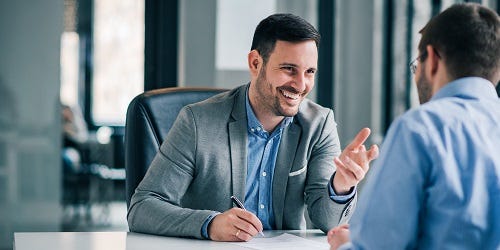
[{"x": 262, "y": 142}]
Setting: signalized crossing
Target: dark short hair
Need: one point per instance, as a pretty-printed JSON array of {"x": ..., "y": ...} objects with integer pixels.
[
  {"x": 284, "y": 27},
  {"x": 467, "y": 37}
]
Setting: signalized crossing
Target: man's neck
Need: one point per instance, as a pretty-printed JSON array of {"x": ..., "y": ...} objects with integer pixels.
[
  {"x": 267, "y": 118},
  {"x": 268, "y": 121},
  {"x": 442, "y": 78}
]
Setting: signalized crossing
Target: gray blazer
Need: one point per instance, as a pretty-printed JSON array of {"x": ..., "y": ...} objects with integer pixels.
[{"x": 203, "y": 161}]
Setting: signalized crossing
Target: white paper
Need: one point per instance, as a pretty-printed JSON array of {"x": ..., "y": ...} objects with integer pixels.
[{"x": 283, "y": 242}]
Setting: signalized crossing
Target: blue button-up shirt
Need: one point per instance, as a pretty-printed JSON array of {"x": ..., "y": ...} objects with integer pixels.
[
  {"x": 262, "y": 152},
  {"x": 436, "y": 184}
]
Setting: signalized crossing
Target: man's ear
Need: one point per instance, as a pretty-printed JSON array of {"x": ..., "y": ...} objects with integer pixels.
[
  {"x": 254, "y": 62},
  {"x": 433, "y": 58}
]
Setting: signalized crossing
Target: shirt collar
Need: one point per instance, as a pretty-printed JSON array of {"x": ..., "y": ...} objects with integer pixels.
[
  {"x": 469, "y": 88},
  {"x": 254, "y": 124}
]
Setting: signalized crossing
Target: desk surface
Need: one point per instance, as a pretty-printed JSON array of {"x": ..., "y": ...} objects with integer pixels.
[{"x": 131, "y": 241}]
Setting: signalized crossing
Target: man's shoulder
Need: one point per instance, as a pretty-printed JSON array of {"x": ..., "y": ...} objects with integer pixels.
[
  {"x": 310, "y": 110},
  {"x": 444, "y": 111},
  {"x": 219, "y": 107},
  {"x": 423, "y": 117},
  {"x": 445, "y": 114},
  {"x": 218, "y": 101}
]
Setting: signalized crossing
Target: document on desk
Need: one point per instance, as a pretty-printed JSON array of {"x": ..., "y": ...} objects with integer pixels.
[{"x": 283, "y": 242}]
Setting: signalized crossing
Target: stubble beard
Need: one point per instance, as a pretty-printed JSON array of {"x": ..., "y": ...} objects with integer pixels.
[
  {"x": 424, "y": 88},
  {"x": 265, "y": 96}
]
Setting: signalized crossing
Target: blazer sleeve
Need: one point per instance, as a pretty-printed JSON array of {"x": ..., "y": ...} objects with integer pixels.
[
  {"x": 155, "y": 206},
  {"x": 323, "y": 211}
]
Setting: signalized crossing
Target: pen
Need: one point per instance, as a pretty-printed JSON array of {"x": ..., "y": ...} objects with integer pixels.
[{"x": 239, "y": 204}]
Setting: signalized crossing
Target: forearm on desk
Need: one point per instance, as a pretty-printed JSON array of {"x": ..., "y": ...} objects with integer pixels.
[{"x": 153, "y": 216}]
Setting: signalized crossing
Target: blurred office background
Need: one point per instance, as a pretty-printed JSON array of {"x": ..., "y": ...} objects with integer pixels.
[{"x": 85, "y": 60}]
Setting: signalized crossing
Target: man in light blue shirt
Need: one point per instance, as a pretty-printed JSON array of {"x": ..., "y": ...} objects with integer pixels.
[{"x": 436, "y": 184}]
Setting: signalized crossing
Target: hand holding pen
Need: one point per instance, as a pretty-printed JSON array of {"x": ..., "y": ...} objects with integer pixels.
[
  {"x": 239, "y": 204},
  {"x": 235, "y": 224}
]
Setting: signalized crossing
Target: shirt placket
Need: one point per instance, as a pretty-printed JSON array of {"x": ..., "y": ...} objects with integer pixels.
[{"x": 264, "y": 181}]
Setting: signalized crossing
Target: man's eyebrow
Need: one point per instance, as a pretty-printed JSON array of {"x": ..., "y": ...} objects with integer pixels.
[
  {"x": 288, "y": 65},
  {"x": 295, "y": 66}
]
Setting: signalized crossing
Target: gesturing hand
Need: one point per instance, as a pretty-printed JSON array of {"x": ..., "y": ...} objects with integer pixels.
[
  {"x": 234, "y": 224},
  {"x": 353, "y": 163}
]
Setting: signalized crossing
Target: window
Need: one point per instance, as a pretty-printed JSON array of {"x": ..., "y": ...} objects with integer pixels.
[
  {"x": 69, "y": 68},
  {"x": 118, "y": 58}
]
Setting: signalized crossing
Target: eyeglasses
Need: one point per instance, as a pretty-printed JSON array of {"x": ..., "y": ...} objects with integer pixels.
[{"x": 413, "y": 64}]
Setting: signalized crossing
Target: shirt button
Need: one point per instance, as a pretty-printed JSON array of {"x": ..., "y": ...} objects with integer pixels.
[
  {"x": 253, "y": 130},
  {"x": 258, "y": 128},
  {"x": 264, "y": 174},
  {"x": 261, "y": 206}
]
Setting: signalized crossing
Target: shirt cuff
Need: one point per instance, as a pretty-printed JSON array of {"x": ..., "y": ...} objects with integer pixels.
[
  {"x": 204, "y": 228},
  {"x": 342, "y": 199}
]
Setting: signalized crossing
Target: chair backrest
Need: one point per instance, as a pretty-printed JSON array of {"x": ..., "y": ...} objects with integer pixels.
[{"x": 150, "y": 116}]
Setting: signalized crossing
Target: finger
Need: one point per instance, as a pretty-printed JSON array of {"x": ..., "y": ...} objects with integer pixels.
[
  {"x": 241, "y": 235},
  {"x": 342, "y": 169},
  {"x": 373, "y": 153},
  {"x": 249, "y": 222},
  {"x": 330, "y": 234},
  {"x": 246, "y": 228},
  {"x": 362, "y": 158},
  {"x": 330, "y": 239},
  {"x": 340, "y": 228},
  {"x": 359, "y": 139},
  {"x": 346, "y": 174},
  {"x": 353, "y": 167},
  {"x": 346, "y": 171}
]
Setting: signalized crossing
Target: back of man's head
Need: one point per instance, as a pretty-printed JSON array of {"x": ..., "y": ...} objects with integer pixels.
[
  {"x": 284, "y": 27},
  {"x": 467, "y": 37}
]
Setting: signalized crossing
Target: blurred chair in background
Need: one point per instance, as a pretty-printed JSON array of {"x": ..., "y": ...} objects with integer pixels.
[
  {"x": 88, "y": 181},
  {"x": 75, "y": 176}
]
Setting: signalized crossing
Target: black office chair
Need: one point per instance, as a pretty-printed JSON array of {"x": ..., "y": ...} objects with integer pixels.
[{"x": 149, "y": 118}]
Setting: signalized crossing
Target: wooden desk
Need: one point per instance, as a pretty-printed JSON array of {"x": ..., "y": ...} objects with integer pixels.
[{"x": 131, "y": 241}]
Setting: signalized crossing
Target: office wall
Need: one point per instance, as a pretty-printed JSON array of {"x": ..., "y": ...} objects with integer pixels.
[
  {"x": 197, "y": 43},
  {"x": 29, "y": 117},
  {"x": 357, "y": 100},
  {"x": 215, "y": 37}
]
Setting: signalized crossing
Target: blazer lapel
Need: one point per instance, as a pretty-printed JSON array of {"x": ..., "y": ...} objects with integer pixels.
[
  {"x": 284, "y": 162},
  {"x": 238, "y": 144}
]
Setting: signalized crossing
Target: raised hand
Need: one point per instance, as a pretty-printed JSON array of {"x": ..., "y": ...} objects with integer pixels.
[
  {"x": 234, "y": 224},
  {"x": 353, "y": 163}
]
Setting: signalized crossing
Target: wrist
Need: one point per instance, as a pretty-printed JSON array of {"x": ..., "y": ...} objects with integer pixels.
[
  {"x": 205, "y": 232},
  {"x": 340, "y": 187}
]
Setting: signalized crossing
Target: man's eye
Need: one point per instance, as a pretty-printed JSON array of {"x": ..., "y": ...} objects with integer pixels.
[
  {"x": 289, "y": 70},
  {"x": 311, "y": 71}
]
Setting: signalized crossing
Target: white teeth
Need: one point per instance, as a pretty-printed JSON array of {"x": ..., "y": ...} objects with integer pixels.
[{"x": 290, "y": 94}]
